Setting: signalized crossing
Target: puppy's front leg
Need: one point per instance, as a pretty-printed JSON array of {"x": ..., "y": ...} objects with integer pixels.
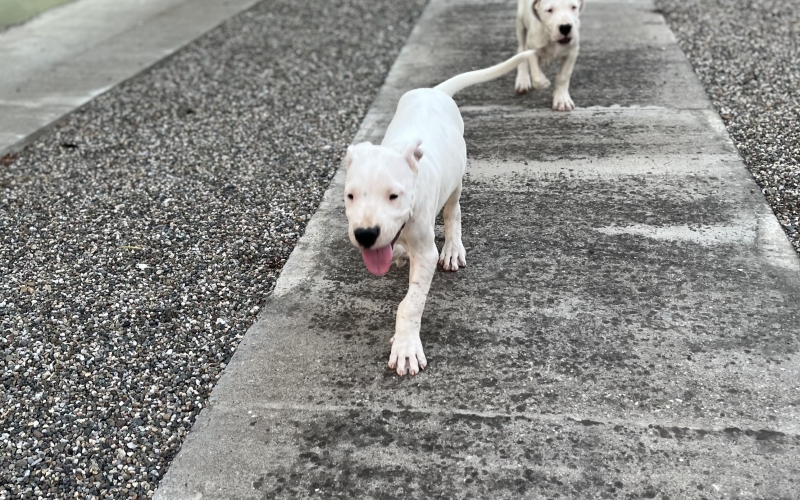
[
  {"x": 523, "y": 83},
  {"x": 561, "y": 99},
  {"x": 406, "y": 344},
  {"x": 538, "y": 78}
]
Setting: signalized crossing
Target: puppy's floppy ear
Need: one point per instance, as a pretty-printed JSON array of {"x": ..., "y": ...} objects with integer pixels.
[
  {"x": 535, "y": 9},
  {"x": 351, "y": 152},
  {"x": 413, "y": 154}
]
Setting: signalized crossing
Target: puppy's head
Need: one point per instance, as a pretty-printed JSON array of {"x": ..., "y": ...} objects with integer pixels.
[
  {"x": 379, "y": 198},
  {"x": 560, "y": 19}
]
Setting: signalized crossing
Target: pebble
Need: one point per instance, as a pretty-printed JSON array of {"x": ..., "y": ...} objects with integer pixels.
[{"x": 140, "y": 236}]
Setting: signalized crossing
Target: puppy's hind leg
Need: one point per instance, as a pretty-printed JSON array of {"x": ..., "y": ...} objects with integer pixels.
[
  {"x": 453, "y": 253},
  {"x": 399, "y": 255}
]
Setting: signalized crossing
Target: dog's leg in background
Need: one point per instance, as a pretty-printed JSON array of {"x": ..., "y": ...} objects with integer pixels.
[
  {"x": 561, "y": 99},
  {"x": 538, "y": 79},
  {"x": 406, "y": 344},
  {"x": 453, "y": 254},
  {"x": 523, "y": 84}
]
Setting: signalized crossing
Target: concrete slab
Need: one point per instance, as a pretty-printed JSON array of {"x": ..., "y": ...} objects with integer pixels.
[
  {"x": 591, "y": 133},
  {"x": 69, "y": 55},
  {"x": 627, "y": 325},
  {"x": 391, "y": 453}
]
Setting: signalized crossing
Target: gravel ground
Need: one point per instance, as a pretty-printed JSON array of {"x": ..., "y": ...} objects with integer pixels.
[
  {"x": 138, "y": 238},
  {"x": 747, "y": 54}
]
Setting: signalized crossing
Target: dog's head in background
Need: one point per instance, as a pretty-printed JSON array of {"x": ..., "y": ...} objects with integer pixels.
[{"x": 560, "y": 18}]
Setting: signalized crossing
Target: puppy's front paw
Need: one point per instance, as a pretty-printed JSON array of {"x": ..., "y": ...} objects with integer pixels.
[
  {"x": 523, "y": 84},
  {"x": 407, "y": 355},
  {"x": 540, "y": 82},
  {"x": 562, "y": 102},
  {"x": 453, "y": 256}
]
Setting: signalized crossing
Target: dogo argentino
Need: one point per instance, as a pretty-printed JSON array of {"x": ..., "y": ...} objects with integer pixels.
[
  {"x": 394, "y": 191},
  {"x": 551, "y": 28}
]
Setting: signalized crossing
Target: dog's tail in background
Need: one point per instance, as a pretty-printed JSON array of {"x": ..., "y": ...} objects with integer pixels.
[{"x": 464, "y": 80}]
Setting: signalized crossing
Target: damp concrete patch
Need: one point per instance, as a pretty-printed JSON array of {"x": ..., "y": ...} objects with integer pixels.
[
  {"x": 700, "y": 235},
  {"x": 518, "y": 172}
]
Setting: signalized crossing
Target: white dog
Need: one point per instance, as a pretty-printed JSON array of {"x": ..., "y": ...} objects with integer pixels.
[
  {"x": 551, "y": 28},
  {"x": 394, "y": 191}
]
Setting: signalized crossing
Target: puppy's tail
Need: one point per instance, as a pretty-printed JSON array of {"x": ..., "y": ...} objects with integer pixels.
[{"x": 464, "y": 80}]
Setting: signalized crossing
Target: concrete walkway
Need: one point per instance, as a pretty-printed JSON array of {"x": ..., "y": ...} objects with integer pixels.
[
  {"x": 62, "y": 59},
  {"x": 627, "y": 325}
]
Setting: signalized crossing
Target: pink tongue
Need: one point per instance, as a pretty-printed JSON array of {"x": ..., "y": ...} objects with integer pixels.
[{"x": 378, "y": 260}]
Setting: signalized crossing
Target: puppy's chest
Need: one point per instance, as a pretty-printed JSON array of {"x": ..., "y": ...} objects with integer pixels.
[{"x": 551, "y": 52}]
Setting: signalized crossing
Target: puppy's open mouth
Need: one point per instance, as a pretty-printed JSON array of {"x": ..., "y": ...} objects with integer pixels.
[
  {"x": 379, "y": 260},
  {"x": 565, "y": 41}
]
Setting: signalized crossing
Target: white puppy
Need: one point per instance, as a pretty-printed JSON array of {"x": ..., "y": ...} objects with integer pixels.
[
  {"x": 551, "y": 28},
  {"x": 394, "y": 191}
]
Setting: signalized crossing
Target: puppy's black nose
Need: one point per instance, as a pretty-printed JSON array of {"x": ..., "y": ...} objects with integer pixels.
[
  {"x": 565, "y": 29},
  {"x": 366, "y": 236}
]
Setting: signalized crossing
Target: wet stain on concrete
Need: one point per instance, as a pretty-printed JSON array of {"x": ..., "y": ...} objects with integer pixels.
[
  {"x": 386, "y": 454},
  {"x": 588, "y": 134}
]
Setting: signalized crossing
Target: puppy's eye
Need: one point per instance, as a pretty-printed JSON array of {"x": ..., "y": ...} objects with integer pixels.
[
  {"x": 549, "y": 11},
  {"x": 350, "y": 196},
  {"x": 574, "y": 8},
  {"x": 392, "y": 196}
]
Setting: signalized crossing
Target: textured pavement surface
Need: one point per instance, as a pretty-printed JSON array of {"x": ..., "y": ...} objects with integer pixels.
[
  {"x": 626, "y": 326},
  {"x": 139, "y": 237},
  {"x": 747, "y": 54}
]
